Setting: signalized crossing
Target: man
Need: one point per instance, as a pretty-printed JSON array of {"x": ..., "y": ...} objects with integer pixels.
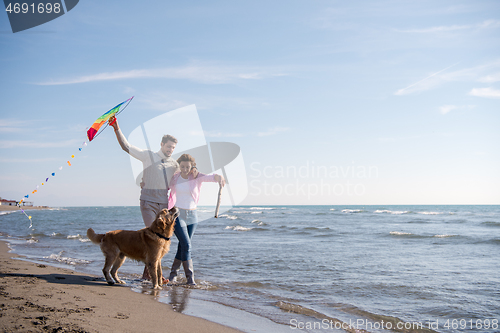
[{"x": 158, "y": 169}]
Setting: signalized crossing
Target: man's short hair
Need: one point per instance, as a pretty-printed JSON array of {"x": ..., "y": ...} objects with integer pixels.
[{"x": 168, "y": 137}]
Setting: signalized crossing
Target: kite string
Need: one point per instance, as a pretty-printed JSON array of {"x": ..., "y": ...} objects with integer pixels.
[{"x": 84, "y": 144}]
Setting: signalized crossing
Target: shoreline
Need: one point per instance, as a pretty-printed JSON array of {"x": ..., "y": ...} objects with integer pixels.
[
  {"x": 39, "y": 298},
  {"x": 4, "y": 208}
]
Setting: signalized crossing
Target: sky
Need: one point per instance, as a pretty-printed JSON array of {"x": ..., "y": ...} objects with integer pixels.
[{"x": 330, "y": 102}]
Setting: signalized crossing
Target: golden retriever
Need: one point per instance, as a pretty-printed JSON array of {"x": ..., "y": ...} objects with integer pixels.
[{"x": 148, "y": 245}]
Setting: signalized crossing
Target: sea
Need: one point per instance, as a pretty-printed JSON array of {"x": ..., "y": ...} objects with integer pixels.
[{"x": 305, "y": 268}]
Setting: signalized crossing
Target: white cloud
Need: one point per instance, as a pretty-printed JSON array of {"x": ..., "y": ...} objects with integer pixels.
[
  {"x": 492, "y": 78},
  {"x": 467, "y": 74},
  {"x": 273, "y": 131},
  {"x": 438, "y": 29},
  {"x": 423, "y": 84},
  {"x": 197, "y": 73},
  {"x": 485, "y": 92},
  {"x": 37, "y": 144},
  {"x": 26, "y": 160},
  {"x": 447, "y": 108},
  {"x": 219, "y": 134},
  {"x": 445, "y": 28},
  {"x": 12, "y": 126},
  {"x": 216, "y": 134}
]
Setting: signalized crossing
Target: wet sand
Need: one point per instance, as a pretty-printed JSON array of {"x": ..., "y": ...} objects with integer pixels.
[{"x": 42, "y": 298}]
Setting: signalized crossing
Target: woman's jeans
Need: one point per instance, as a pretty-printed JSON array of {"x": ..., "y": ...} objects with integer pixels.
[{"x": 185, "y": 225}]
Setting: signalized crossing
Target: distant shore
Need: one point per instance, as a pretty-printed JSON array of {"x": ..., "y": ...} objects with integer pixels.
[{"x": 4, "y": 208}]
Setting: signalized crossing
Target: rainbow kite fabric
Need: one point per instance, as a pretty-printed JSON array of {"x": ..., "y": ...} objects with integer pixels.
[{"x": 94, "y": 129}]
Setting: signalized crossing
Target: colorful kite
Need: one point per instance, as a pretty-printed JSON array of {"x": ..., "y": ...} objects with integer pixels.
[{"x": 94, "y": 129}]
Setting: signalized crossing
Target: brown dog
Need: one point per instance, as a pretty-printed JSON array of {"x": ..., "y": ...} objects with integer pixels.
[{"x": 148, "y": 245}]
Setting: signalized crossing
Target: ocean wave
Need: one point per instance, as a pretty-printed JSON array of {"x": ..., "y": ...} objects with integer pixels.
[
  {"x": 302, "y": 310},
  {"x": 400, "y": 233},
  {"x": 332, "y": 209},
  {"x": 77, "y": 236},
  {"x": 262, "y": 208},
  {"x": 238, "y": 228},
  {"x": 229, "y": 217},
  {"x": 66, "y": 260},
  {"x": 396, "y": 212},
  {"x": 8, "y": 212},
  {"x": 317, "y": 228},
  {"x": 430, "y": 213},
  {"x": 259, "y": 222},
  {"x": 495, "y": 241},
  {"x": 254, "y": 284},
  {"x": 352, "y": 211},
  {"x": 256, "y": 212},
  {"x": 409, "y": 234},
  {"x": 491, "y": 224},
  {"x": 37, "y": 234}
]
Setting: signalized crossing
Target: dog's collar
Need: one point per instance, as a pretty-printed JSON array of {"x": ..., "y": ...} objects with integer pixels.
[{"x": 161, "y": 236}]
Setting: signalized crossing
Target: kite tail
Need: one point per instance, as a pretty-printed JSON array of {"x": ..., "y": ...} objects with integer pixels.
[{"x": 95, "y": 238}]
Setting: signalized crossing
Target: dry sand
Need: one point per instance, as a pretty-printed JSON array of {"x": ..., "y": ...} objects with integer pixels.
[{"x": 41, "y": 298}]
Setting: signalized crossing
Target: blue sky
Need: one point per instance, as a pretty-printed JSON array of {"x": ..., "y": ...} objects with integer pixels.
[{"x": 331, "y": 102}]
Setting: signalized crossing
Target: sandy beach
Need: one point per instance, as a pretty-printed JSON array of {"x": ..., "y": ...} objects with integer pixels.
[
  {"x": 4, "y": 208},
  {"x": 41, "y": 298}
]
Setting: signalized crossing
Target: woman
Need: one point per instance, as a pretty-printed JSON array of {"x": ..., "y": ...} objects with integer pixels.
[{"x": 184, "y": 194}]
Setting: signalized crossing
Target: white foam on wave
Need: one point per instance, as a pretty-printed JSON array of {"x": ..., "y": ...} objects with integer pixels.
[
  {"x": 229, "y": 217},
  {"x": 238, "y": 228},
  {"x": 430, "y": 213},
  {"x": 259, "y": 222},
  {"x": 9, "y": 212},
  {"x": 78, "y": 236},
  {"x": 332, "y": 209},
  {"x": 259, "y": 208},
  {"x": 66, "y": 260},
  {"x": 444, "y": 236},
  {"x": 400, "y": 233},
  {"x": 256, "y": 212},
  {"x": 396, "y": 212},
  {"x": 351, "y": 211}
]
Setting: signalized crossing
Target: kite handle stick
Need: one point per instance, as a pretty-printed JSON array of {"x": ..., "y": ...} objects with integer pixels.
[
  {"x": 218, "y": 202},
  {"x": 114, "y": 121}
]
